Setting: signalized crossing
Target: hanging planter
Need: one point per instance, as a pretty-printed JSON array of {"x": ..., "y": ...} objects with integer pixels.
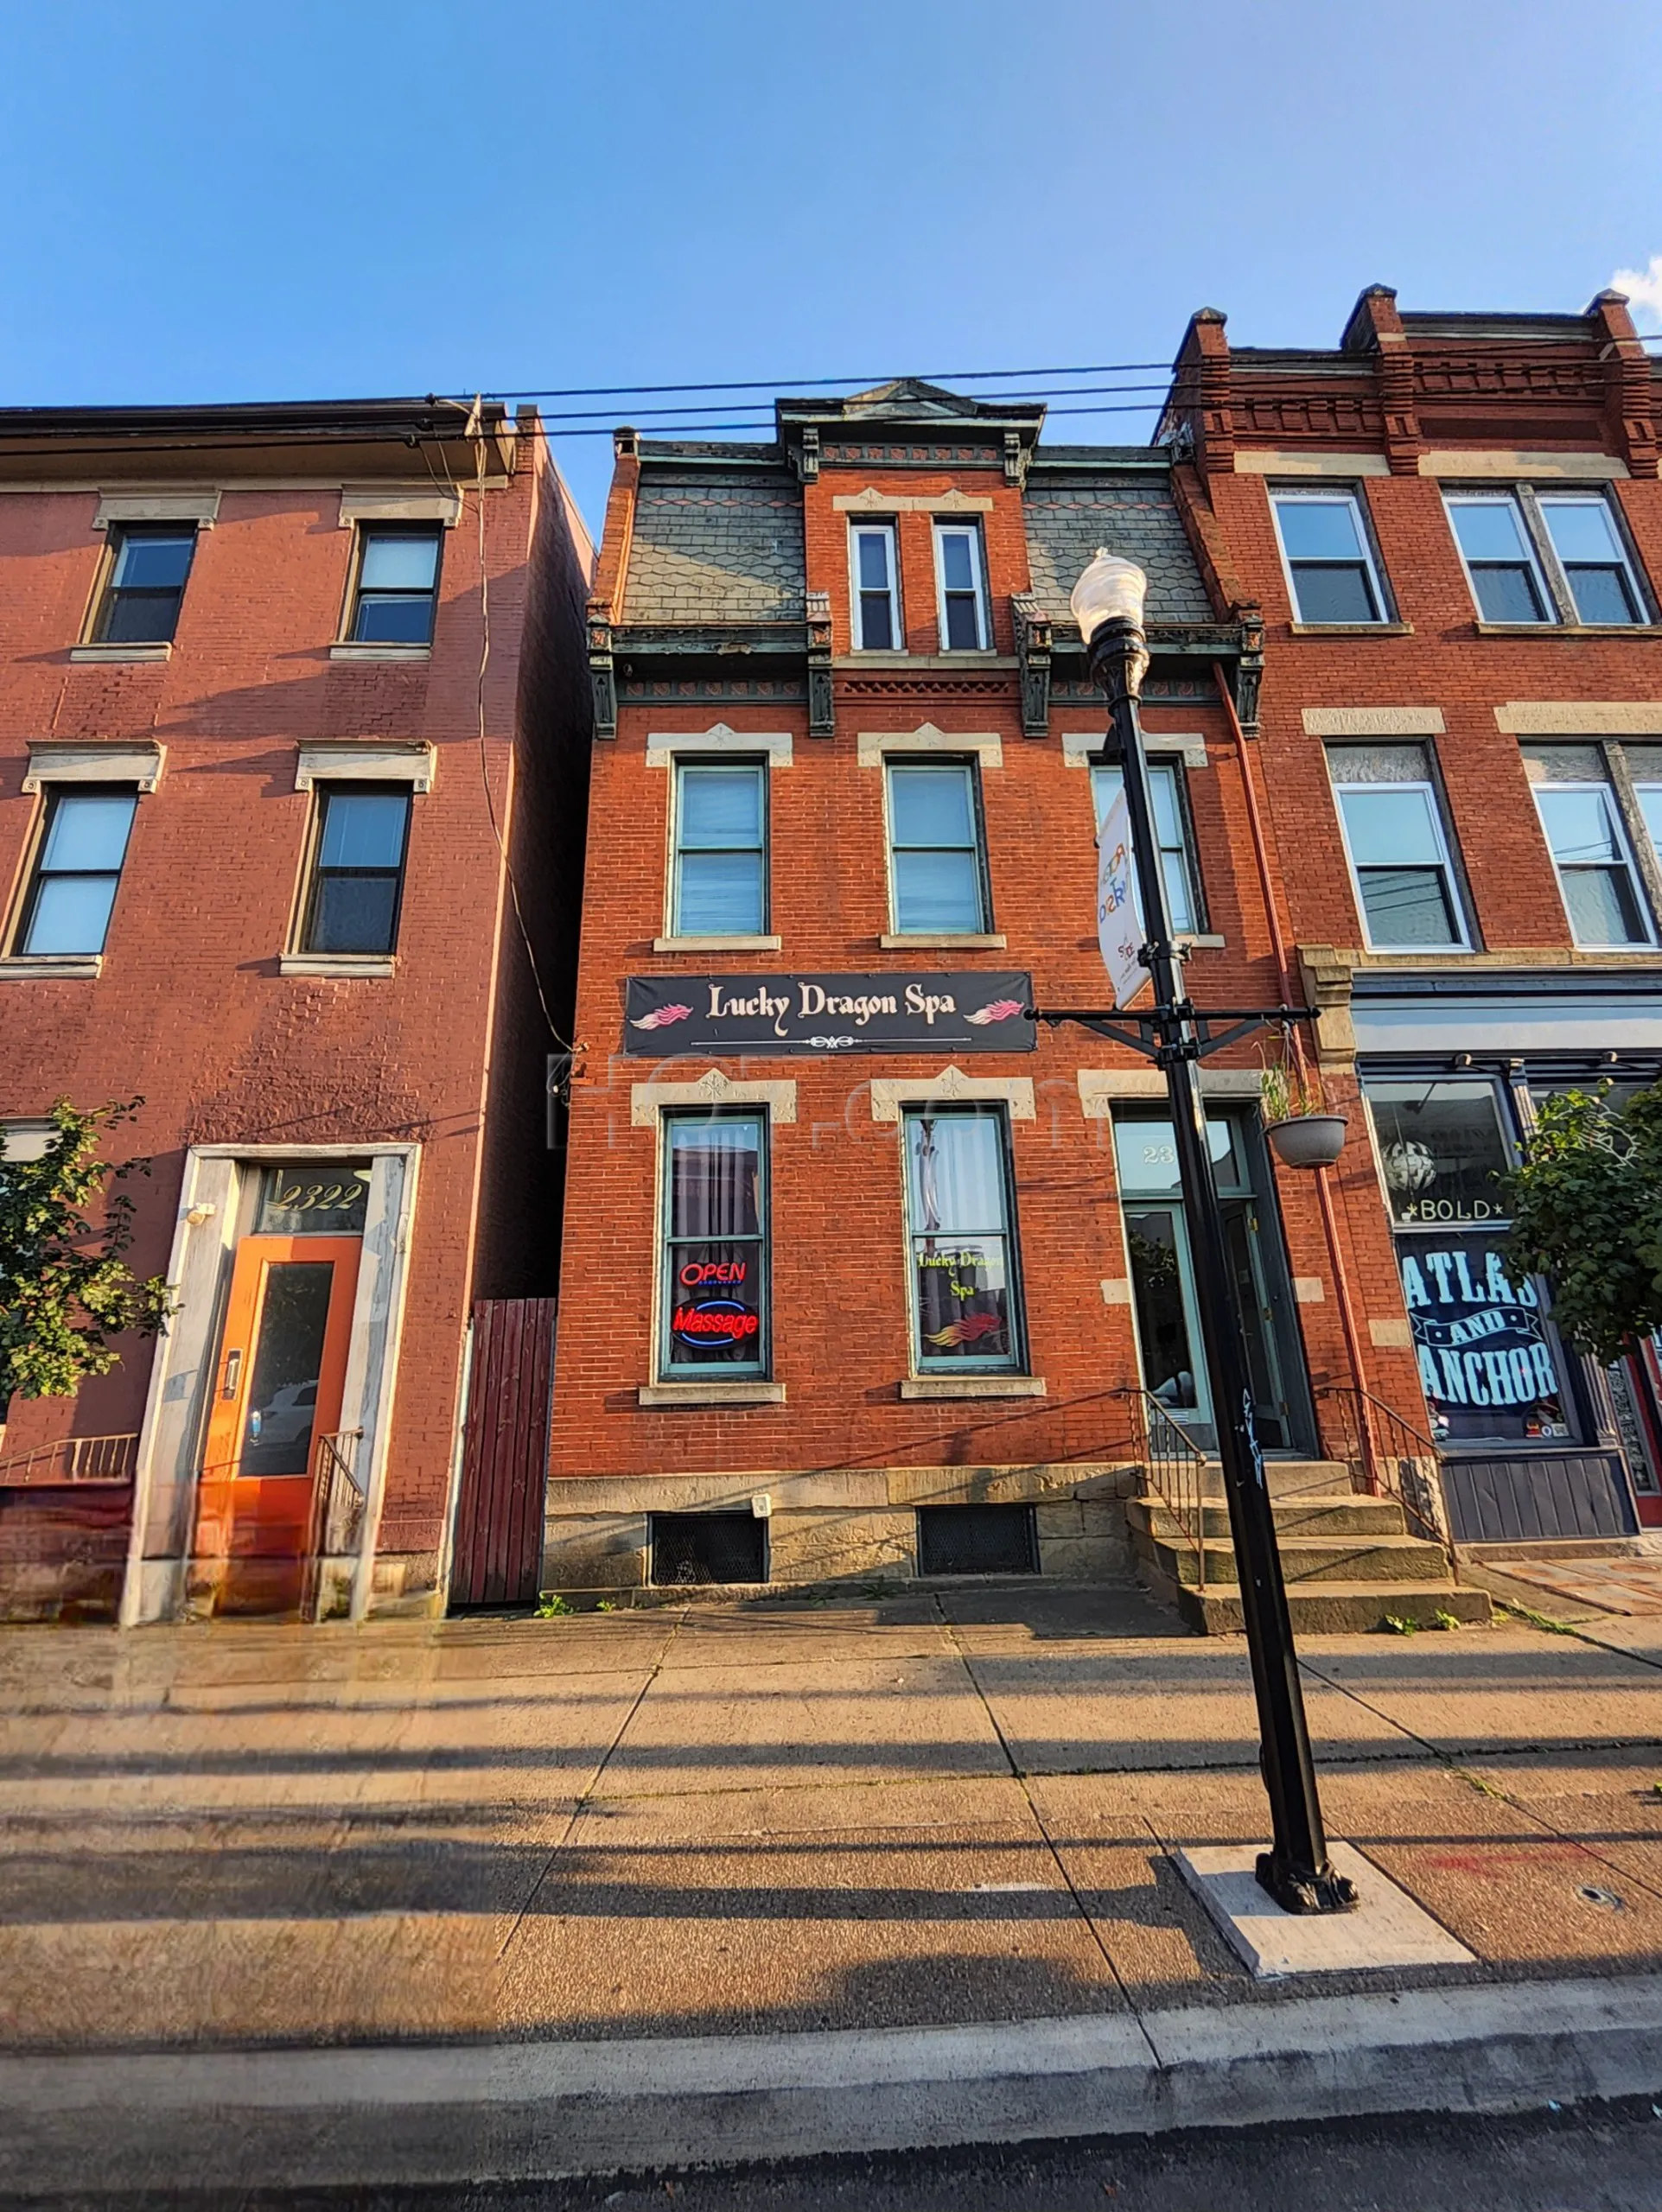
[{"x": 1302, "y": 1132}]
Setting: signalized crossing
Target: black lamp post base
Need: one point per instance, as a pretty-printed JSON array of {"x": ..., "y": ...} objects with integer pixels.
[{"x": 1299, "y": 1889}]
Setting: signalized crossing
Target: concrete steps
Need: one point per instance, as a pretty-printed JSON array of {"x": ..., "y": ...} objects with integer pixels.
[{"x": 1349, "y": 1559}]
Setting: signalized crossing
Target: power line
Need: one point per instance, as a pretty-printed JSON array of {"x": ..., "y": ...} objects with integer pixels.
[{"x": 789, "y": 385}]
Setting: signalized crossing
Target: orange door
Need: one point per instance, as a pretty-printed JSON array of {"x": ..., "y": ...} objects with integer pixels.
[{"x": 282, "y": 1363}]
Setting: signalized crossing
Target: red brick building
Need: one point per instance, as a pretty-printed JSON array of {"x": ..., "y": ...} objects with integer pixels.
[
  {"x": 282, "y": 690},
  {"x": 850, "y": 1243},
  {"x": 1450, "y": 527}
]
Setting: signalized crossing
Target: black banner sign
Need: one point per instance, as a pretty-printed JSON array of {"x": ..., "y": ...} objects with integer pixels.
[{"x": 981, "y": 1010}]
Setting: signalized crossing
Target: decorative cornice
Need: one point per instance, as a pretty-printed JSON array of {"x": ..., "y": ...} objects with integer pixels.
[
  {"x": 647, "y": 1100},
  {"x": 890, "y": 1093},
  {"x": 139, "y": 762},
  {"x": 870, "y": 746},
  {"x": 662, "y": 747}
]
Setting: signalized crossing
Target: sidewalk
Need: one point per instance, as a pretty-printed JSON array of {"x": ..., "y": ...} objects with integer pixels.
[{"x": 763, "y": 1821}]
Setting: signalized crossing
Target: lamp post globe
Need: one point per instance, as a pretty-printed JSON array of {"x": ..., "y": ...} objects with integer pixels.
[{"x": 1112, "y": 589}]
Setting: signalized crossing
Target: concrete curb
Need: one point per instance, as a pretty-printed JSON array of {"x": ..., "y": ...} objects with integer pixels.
[{"x": 544, "y": 2110}]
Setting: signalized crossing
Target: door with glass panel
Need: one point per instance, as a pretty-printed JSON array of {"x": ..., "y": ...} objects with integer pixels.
[
  {"x": 964, "y": 1294},
  {"x": 1164, "y": 1294},
  {"x": 277, "y": 1388}
]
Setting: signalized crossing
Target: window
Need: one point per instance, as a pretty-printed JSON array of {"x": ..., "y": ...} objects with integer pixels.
[
  {"x": 1595, "y": 566},
  {"x": 720, "y": 886},
  {"x": 398, "y": 584},
  {"x": 357, "y": 872},
  {"x": 1596, "y": 872},
  {"x": 958, "y": 584},
  {"x": 67, "y": 908},
  {"x": 1394, "y": 837},
  {"x": 1329, "y": 567},
  {"x": 145, "y": 584},
  {"x": 1505, "y": 576},
  {"x": 714, "y": 1294},
  {"x": 1650, "y": 807},
  {"x": 876, "y": 594},
  {"x": 966, "y": 1311},
  {"x": 939, "y": 883},
  {"x": 1170, "y": 827}
]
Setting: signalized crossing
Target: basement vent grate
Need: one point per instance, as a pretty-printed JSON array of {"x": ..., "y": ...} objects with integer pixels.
[
  {"x": 690, "y": 1548},
  {"x": 976, "y": 1540}
]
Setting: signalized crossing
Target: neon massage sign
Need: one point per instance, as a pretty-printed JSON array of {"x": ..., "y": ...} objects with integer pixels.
[{"x": 702, "y": 1321}]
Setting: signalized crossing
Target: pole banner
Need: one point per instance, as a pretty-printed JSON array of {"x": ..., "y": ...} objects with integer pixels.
[{"x": 1119, "y": 919}]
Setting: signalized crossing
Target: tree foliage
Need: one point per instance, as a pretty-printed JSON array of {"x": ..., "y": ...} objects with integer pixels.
[
  {"x": 65, "y": 1289},
  {"x": 1587, "y": 1212}
]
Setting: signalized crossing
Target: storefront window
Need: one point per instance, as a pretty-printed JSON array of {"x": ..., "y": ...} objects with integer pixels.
[
  {"x": 715, "y": 1246},
  {"x": 1486, "y": 1358},
  {"x": 963, "y": 1301}
]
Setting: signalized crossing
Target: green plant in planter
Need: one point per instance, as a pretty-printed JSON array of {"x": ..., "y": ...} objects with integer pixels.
[{"x": 1285, "y": 1095}]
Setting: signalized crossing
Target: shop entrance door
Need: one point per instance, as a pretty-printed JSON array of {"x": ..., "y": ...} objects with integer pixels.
[
  {"x": 277, "y": 1391},
  {"x": 1164, "y": 1300}
]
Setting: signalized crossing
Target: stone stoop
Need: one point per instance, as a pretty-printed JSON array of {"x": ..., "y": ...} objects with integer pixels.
[{"x": 1349, "y": 1558}]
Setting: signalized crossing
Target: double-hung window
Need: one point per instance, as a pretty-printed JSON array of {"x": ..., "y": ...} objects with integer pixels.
[
  {"x": 720, "y": 868},
  {"x": 1584, "y": 834},
  {"x": 1500, "y": 559},
  {"x": 938, "y": 877},
  {"x": 1602, "y": 585},
  {"x": 144, "y": 584},
  {"x": 396, "y": 584},
  {"x": 965, "y": 1302},
  {"x": 959, "y": 587},
  {"x": 872, "y": 555},
  {"x": 713, "y": 1299},
  {"x": 1330, "y": 566},
  {"x": 77, "y": 866},
  {"x": 1177, "y": 866},
  {"x": 1398, "y": 852},
  {"x": 356, "y": 876}
]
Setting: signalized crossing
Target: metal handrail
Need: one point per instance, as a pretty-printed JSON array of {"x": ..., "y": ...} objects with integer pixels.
[
  {"x": 74, "y": 1460},
  {"x": 1175, "y": 1465},
  {"x": 1395, "y": 1459},
  {"x": 338, "y": 1512}
]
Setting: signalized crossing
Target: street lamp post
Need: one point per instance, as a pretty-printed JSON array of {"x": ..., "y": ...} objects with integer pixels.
[{"x": 1296, "y": 1871}]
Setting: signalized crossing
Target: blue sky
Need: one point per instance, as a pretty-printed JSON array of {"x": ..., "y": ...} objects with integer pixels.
[{"x": 231, "y": 201}]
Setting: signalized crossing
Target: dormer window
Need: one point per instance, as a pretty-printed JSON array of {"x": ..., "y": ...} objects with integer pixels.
[
  {"x": 877, "y": 588},
  {"x": 959, "y": 587}
]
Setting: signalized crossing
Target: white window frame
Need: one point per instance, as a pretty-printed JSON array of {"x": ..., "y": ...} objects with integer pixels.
[
  {"x": 886, "y": 527},
  {"x": 1553, "y": 618},
  {"x": 1445, "y": 860},
  {"x": 1547, "y": 500},
  {"x": 948, "y": 526},
  {"x": 1629, "y": 861},
  {"x": 1329, "y": 495}
]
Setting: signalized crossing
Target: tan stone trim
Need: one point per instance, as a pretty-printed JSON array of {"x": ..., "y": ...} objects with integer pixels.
[
  {"x": 363, "y": 505},
  {"x": 159, "y": 649},
  {"x": 350, "y": 649},
  {"x": 1301, "y": 461},
  {"x": 1102, "y": 1089},
  {"x": 710, "y": 1394},
  {"x": 1391, "y": 1335},
  {"x": 1078, "y": 746},
  {"x": 718, "y": 944},
  {"x": 1307, "y": 1290},
  {"x": 647, "y": 1100},
  {"x": 890, "y": 1093},
  {"x": 872, "y": 501},
  {"x": 392, "y": 760},
  {"x": 1116, "y": 1290},
  {"x": 201, "y": 508},
  {"x": 973, "y": 1386},
  {"x": 663, "y": 746},
  {"x": 963, "y": 941},
  {"x": 335, "y": 964},
  {"x": 51, "y": 967},
  {"x": 1373, "y": 722},
  {"x": 871, "y": 746},
  {"x": 1580, "y": 717},
  {"x": 109, "y": 760},
  {"x": 1516, "y": 463},
  {"x": 27, "y": 1140}
]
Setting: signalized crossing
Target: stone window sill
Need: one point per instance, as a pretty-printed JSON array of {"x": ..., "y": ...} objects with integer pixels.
[
  {"x": 711, "y": 1393},
  {"x": 717, "y": 945},
  {"x": 1568, "y": 629},
  {"x": 1190, "y": 941},
  {"x": 968, "y": 941},
  {"x": 973, "y": 1386},
  {"x": 50, "y": 967},
  {"x": 1350, "y": 629},
  {"x": 161, "y": 650},
  {"x": 350, "y": 650},
  {"x": 337, "y": 963}
]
